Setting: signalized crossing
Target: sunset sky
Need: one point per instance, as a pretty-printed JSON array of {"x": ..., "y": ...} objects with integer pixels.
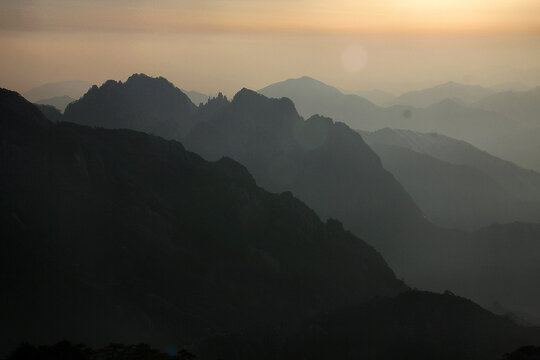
[{"x": 212, "y": 45}]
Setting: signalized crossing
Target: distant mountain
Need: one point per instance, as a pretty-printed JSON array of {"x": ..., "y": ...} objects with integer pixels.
[
  {"x": 59, "y": 102},
  {"x": 119, "y": 236},
  {"x": 197, "y": 97},
  {"x": 448, "y": 116},
  {"x": 142, "y": 103},
  {"x": 72, "y": 88},
  {"x": 50, "y": 112},
  {"x": 450, "y": 90},
  {"x": 521, "y": 106},
  {"x": 520, "y": 183},
  {"x": 313, "y": 97},
  {"x": 521, "y": 146},
  {"x": 510, "y": 86}
]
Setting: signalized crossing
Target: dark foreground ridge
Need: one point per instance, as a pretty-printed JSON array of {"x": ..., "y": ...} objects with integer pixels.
[{"x": 137, "y": 238}]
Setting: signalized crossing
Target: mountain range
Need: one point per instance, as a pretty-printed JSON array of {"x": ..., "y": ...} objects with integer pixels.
[
  {"x": 133, "y": 236},
  {"x": 59, "y": 102},
  {"x": 477, "y": 119},
  {"x": 329, "y": 167},
  {"x": 117, "y": 235},
  {"x": 73, "y": 89}
]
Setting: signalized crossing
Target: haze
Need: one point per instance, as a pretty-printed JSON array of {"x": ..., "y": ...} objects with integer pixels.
[{"x": 216, "y": 45}]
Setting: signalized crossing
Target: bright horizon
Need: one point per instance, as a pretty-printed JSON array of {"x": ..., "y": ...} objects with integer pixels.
[{"x": 218, "y": 45}]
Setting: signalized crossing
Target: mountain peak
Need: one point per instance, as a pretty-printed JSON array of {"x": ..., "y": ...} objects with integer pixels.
[{"x": 143, "y": 103}]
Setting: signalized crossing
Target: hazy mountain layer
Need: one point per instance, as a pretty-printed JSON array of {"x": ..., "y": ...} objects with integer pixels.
[
  {"x": 448, "y": 116},
  {"x": 59, "y": 102},
  {"x": 521, "y": 183},
  {"x": 119, "y": 236},
  {"x": 72, "y": 88},
  {"x": 450, "y": 90},
  {"x": 197, "y": 97},
  {"x": 454, "y": 196},
  {"x": 50, "y": 112}
]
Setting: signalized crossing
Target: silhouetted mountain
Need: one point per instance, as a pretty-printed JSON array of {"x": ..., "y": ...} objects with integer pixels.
[
  {"x": 142, "y": 103},
  {"x": 521, "y": 183},
  {"x": 115, "y": 235},
  {"x": 197, "y": 97},
  {"x": 50, "y": 112},
  {"x": 325, "y": 164},
  {"x": 59, "y": 102},
  {"x": 450, "y": 90},
  {"x": 72, "y": 88}
]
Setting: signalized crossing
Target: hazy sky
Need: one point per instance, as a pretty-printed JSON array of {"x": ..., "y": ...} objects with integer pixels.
[{"x": 212, "y": 45}]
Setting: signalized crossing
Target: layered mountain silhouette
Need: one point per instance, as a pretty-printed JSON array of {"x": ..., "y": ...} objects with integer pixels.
[
  {"x": 325, "y": 164},
  {"x": 152, "y": 105},
  {"x": 197, "y": 97},
  {"x": 447, "y": 116},
  {"x": 59, "y": 102},
  {"x": 522, "y": 144},
  {"x": 116, "y": 235},
  {"x": 450, "y": 90},
  {"x": 456, "y": 184},
  {"x": 71, "y": 88},
  {"x": 329, "y": 167},
  {"x": 523, "y": 106}
]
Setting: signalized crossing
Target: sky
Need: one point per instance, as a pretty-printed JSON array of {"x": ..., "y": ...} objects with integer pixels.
[{"x": 224, "y": 45}]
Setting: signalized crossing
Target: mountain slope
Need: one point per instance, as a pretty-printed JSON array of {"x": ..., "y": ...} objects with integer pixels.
[
  {"x": 451, "y": 195},
  {"x": 142, "y": 103},
  {"x": 520, "y": 183},
  {"x": 114, "y": 235}
]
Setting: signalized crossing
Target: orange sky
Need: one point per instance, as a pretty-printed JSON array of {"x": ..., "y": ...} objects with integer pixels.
[
  {"x": 223, "y": 44},
  {"x": 337, "y": 16}
]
